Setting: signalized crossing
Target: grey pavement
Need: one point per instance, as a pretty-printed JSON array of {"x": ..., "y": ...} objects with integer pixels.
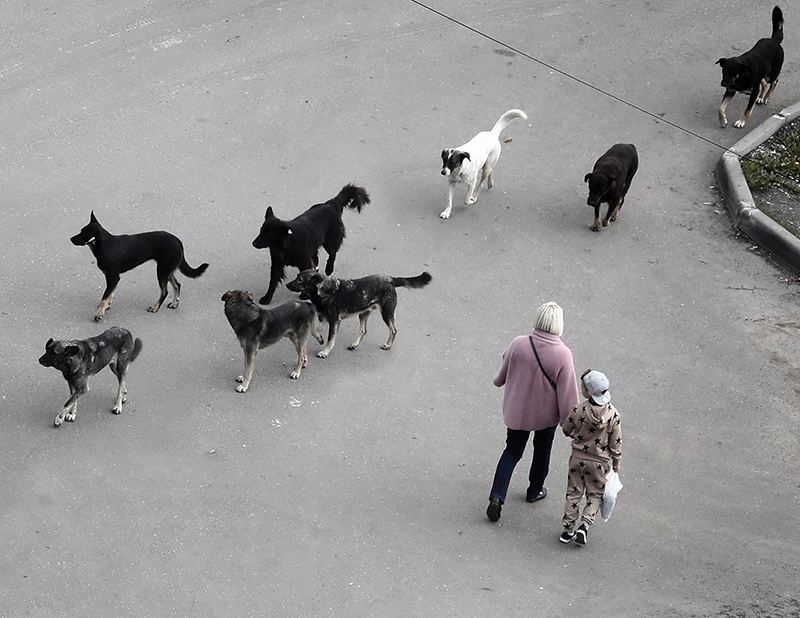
[{"x": 360, "y": 489}]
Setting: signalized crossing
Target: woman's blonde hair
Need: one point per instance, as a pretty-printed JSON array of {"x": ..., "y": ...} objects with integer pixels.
[{"x": 549, "y": 318}]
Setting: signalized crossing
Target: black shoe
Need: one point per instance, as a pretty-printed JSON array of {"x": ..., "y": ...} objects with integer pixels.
[
  {"x": 566, "y": 536},
  {"x": 581, "y": 535},
  {"x": 493, "y": 510},
  {"x": 535, "y": 497}
]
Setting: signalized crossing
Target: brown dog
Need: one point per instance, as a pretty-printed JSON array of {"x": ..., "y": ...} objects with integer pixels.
[{"x": 610, "y": 180}]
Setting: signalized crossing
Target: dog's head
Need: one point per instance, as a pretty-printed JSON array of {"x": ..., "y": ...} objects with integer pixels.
[
  {"x": 452, "y": 160},
  {"x": 89, "y": 234},
  {"x": 306, "y": 283},
  {"x": 736, "y": 74},
  {"x": 274, "y": 233},
  {"x": 599, "y": 185},
  {"x": 62, "y": 355},
  {"x": 237, "y": 296}
]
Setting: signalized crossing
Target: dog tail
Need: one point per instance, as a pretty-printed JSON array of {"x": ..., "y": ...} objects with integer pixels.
[
  {"x": 777, "y": 24},
  {"x": 353, "y": 197},
  {"x": 506, "y": 118},
  {"x": 192, "y": 272},
  {"x": 137, "y": 347},
  {"x": 420, "y": 281}
]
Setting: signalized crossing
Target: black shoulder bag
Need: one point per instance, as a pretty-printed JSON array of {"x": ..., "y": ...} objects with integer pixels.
[{"x": 553, "y": 384}]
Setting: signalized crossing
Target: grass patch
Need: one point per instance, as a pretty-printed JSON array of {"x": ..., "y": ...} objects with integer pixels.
[{"x": 775, "y": 163}]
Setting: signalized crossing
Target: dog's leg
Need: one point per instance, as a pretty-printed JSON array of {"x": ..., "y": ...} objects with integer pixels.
[
  {"x": 70, "y": 408},
  {"x": 117, "y": 409},
  {"x": 451, "y": 188},
  {"x": 162, "y": 295},
  {"x": 329, "y": 263},
  {"x": 333, "y": 328},
  {"x": 275, "y": 277},
  {"x": 613, "y": 211},
  {"x": 766, "y": 97},
  {"x": 250, "y": 353},
  {"x": 749, "y": 110},
  {"x": 108, "y": 296},
  {"x": 362, "y": 328},
  {"x": 595, "y": 227},
  {"x": 389, "y": 320},
  {"x": 176, "y": 292},
  {"x": 299, "y": 342},
  {"x": 473, "y": 190},
  {"x": 723, "y": 120}
]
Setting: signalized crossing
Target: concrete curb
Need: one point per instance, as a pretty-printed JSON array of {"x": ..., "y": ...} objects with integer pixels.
[{"x": 739, "y": 201}]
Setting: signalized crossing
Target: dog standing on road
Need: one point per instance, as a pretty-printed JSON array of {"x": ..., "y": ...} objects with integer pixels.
[
  {"x": 256, "y": 328},
  {"x": 755, "y": 72},
  {"x": 77, "y": 360},
  {"x": 118, "y": 254},
  {"x": 474, "y": 161},
  {"x": 337, "y": 299},
  {"x": 297, "y": 242},
  {"x": 610, "y": 180}
]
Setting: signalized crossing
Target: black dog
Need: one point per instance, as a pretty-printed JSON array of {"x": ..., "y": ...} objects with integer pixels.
[
  {"x": 337, "y": 299},
  {"x": 78, "y": 360},
  {"x": 297, "y": 242},
  {"x": 119, "y": 254},
  {"x": 256, "y": 328},
  {"x": 755, "y": 72},
  {"x": 610, "y": 180}
]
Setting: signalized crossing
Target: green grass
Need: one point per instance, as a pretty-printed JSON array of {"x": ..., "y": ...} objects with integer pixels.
[{"x": 775, "y": 163}]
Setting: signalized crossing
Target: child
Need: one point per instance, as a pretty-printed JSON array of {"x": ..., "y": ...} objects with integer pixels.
[{"x": 594, "y": 428}]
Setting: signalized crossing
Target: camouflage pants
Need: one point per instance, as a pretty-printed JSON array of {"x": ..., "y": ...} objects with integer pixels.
[{"x": 587, "y": 477}]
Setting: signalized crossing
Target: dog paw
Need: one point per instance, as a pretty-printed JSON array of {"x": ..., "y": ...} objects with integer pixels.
[
  {"x": 117, "y": 410},
  {"x": 322, "y": 354},
  {"x": 594, "y": 228},
  {"x": 98, "y": 317},
  {"x": 173, "y": 304},
  {"x": 471, "y": 200},
  {"x": 739, "y": 123},
  {"x": 153, "y": 309},
  {"x": 264, "y": 300},
  {"x": 240, "y": 378},
  {"x": 294, "y": 375},
  {"x": 445, "y": 214},
  {"x": 69, "y": 417},
  {"x": 241, "y": 388},
  {"x": 386, "y": 346},
  {"x": 57, "y": 422}
]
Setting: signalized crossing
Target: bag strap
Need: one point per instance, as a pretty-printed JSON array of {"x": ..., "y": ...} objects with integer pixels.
[{"x": 549, "y": 379}]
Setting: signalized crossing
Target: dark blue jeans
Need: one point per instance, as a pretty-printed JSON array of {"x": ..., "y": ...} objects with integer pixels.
[{"x": 516, "y": 440}]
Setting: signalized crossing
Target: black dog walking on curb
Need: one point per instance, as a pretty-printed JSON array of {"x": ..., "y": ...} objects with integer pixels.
[
  {"x": 119, "y": 254},
  {"x": 755, "y": 72},
  {"x": 297, "y": 242},
  {"x": 79, "y": 359}
]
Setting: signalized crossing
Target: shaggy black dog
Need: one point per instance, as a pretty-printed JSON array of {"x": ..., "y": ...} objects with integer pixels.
[{"x": 297, "y": 242}]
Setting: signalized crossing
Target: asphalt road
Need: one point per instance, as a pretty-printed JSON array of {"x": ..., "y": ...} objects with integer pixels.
[{"x": 360, "y": 489}]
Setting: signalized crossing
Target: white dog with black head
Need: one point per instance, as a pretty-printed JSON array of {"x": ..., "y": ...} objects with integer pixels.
[{"x": 474, "y": 161}]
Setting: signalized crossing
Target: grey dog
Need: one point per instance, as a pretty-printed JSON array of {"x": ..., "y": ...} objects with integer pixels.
[
  {"x": 256, "y": 328},
  {"x": 79, "y": 359}
]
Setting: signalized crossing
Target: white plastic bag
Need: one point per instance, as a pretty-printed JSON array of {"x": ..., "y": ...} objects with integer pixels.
[{"x": 613, "y": 485}]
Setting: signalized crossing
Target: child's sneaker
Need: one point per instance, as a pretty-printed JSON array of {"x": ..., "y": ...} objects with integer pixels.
[
  {"x": 581, "y": 535},
  {"x": 566, "y": 536}
]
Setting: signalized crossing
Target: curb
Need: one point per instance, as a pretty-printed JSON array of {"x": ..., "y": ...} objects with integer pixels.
[{"x": 739, "y": 201}]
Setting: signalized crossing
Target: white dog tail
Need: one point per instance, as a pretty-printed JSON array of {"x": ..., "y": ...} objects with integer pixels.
[{"x": 506, "y": 118}]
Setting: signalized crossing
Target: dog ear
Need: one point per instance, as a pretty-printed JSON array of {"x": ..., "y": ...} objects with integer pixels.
[
  {"x": 445, "y": 154},
  {"x": 226, "y": 296},
  {"x": 49, "y": 341},
  {"x": 466, "y": 156},
  {"x": 71, "y": 350},
  {"x": 92, "y": 218},
  {"x": 270, "y": 214},
  {"x": 720, "y": 61},
  {"x": 587, "y": 177}
]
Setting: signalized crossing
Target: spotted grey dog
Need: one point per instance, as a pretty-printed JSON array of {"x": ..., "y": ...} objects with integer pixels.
[{"x": 79, "y": 359}]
